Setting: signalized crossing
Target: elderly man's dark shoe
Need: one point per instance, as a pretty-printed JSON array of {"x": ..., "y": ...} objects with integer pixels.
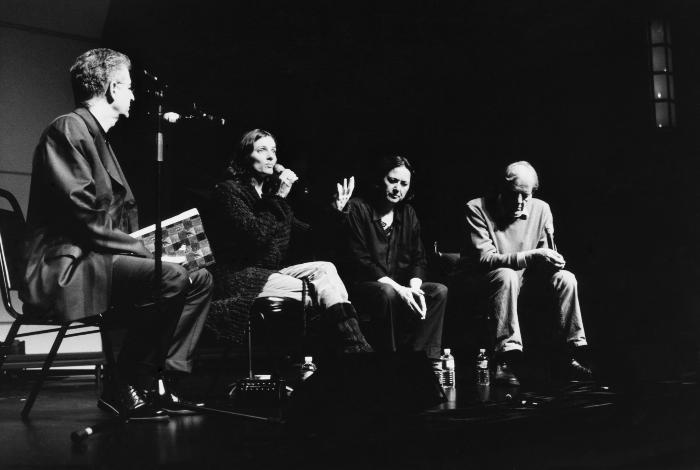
[
  {"x": 504, "y": 375},
  {"x": 578, "y": 372}
]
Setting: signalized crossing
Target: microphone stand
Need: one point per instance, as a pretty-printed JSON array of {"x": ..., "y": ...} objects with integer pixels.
[
  {"x": 159, "y": 250},
  {"x": 158, "y": 235},
  {"x": 158, "y": 92},
  {"x": 550, "y": 239}
]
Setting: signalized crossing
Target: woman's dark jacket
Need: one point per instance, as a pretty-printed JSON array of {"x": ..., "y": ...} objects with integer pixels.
[{"x": 250, "y": 236}]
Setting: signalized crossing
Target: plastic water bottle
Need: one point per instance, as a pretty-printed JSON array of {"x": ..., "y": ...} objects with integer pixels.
[
  {"x": 482, "y": 368},
  {"x": 307, "y": 368},
  {"x": 448, "y": 368}
]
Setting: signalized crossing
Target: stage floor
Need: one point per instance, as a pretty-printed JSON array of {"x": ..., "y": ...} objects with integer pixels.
[{"x": 542, "y": 425}]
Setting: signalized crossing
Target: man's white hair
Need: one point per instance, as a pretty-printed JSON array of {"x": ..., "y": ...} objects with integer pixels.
[{"x": 511, "y": 173}]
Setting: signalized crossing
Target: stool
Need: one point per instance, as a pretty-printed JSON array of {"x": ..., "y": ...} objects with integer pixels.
[{"x": 293, "y": 314}]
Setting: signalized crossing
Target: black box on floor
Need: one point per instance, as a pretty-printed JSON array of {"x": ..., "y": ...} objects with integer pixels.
[{"x": 258, "y": 391}]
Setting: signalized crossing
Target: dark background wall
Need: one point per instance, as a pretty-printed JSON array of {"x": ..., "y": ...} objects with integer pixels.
[{"x": 460, "y": 88}]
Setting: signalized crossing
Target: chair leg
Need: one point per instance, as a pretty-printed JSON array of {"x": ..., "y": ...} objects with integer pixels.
[
  {"x": 7, "y": 344},
  {"x": 99, "y": 372},
  {"x": 250, "y": 351},
  {"x": 44, "y": 371}
]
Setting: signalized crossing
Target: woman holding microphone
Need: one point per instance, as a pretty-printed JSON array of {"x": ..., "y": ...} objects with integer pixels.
[{"x": 251, "y": 244}]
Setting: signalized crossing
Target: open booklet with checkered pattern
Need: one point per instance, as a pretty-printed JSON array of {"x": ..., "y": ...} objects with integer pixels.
[{"x": 183, "y": 235}]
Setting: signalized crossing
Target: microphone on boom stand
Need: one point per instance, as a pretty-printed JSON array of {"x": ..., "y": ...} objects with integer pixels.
[
  {"x": 177, "y": 118},
  {"x": 549, "y": 233}
]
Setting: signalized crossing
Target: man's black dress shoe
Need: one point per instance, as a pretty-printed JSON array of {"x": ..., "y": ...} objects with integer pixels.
[
  {"x": 578, "y": 372},
  {"x": 507, "y": 362},
  {"x": 504, "y": 375},
  {"x": 170, "y": 400},
  {"x": 129, "y": 403}
]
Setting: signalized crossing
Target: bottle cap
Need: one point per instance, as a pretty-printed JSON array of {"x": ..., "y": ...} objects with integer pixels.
[
  {"x": 447, "y": 350},
  {"x": 482, "y": 351},
  {"x": 308, "y": 359}
]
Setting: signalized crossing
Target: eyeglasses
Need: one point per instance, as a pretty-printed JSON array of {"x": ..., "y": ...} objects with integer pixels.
[{"x": 131, "y": 86}]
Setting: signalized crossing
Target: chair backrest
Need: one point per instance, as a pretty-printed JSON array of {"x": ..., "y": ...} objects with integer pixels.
[
  {"x": 12, "y": 231},
  {"x": 447, "y": 264}
]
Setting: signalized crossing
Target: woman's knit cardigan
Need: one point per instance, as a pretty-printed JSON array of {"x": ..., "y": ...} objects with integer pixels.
[{"x": 250, "y": 237}]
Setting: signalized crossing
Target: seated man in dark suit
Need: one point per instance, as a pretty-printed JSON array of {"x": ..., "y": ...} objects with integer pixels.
[
  {"x": 81, "y": 260},
  {"x": 506, "y": 254}
]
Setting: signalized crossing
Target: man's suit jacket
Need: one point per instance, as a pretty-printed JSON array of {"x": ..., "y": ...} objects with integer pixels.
[{"x": 81, "y": 210}]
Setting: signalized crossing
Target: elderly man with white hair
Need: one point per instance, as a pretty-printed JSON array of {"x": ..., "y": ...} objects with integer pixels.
[{"x": 509, "y": 251}]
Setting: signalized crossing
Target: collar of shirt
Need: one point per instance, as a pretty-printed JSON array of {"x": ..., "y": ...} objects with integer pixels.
[
  {"x": 398, "y": 215},
  {"x": 509, "y": 217},
  {"x": 523, "y": 214},
  {"x": 99, "y": 126}
]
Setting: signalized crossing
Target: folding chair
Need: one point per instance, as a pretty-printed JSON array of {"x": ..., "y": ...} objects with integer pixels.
[{"x": 12, "y": 231}]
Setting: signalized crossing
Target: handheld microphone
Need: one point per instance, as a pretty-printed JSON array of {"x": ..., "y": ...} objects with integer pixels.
[{"x": 279, "y": 168}]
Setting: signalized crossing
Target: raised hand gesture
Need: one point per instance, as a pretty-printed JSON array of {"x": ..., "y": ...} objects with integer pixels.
[{"x": 344, "y": 192}]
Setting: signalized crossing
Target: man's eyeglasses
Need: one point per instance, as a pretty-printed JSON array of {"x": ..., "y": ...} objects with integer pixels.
[{"x": 131, "y": 86}]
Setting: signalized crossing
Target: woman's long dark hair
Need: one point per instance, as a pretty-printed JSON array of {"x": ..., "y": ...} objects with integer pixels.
[{"x": 241, "y": 165}]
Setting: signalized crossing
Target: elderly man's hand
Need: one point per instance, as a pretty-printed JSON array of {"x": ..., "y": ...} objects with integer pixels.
[{"x": 550, "y": 256}]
